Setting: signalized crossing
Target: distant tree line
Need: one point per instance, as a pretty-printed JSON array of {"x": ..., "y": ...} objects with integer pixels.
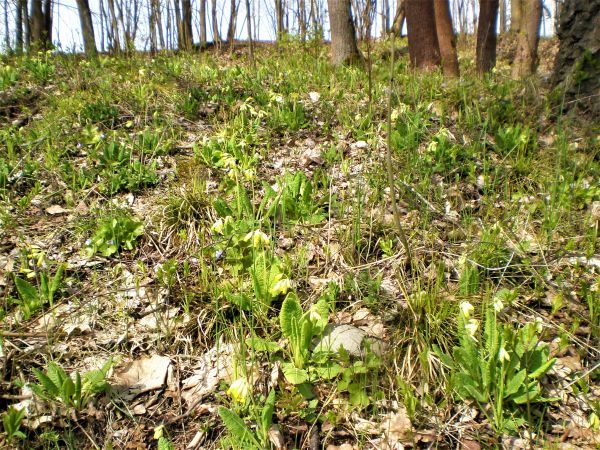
[{"x": 431, "y": 26}]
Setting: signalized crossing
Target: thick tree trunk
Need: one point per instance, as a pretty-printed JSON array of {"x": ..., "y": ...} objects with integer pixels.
[
  {"x": 526, "y": 59},
  {"x": 152, "y": 27},
  {"x": 47, "y": 24},
  {"x": 385, "y": 17},
  {"x": 158, "y": 18},
  {"x": 343, "y": 35},
  {"x": 37, "y": 24},
  {"x": 423, "y": 46},
  {"x": 486, "y": 36},
  {"x": 87, "y": 27},
  {"x": 202, "y": 23},
  {"x": 178, "y": 21},
  {"x": 446, "y": 38},
  {"x": 577, "y": 64},
  {"x": 399, "y": 17}
]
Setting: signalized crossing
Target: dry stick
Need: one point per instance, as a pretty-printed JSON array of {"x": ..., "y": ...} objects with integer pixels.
[{"x": 388, "y": 158}]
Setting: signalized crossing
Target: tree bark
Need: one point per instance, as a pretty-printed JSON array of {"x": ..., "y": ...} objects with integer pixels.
[
  {"x": 423, "y": 46},
  {"x": 186, "y": 18},
  {"x": 19, "y": 27},
  {"x": 446, "y": 38},
  {"x": 343, "y": 35},
  {"x": 302, "y": 19},
  {"x": 516, "y": 14},
  {"x": 526, "y": 59},
  {"x": 486, "y": 36},
  {"x": 37, "y": 24},
  {"x": 215, "y": 22},
  {"x": 280, "y": 30},
  {"x": 202, "y": 23},
  {"x": 577, "y": 64},
  {"x": 87, "y": 27},
  {"x": 232, "y": 21}
]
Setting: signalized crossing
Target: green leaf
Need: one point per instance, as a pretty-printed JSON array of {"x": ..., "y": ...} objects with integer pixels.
[
  {"x": 515, "y": 383},
  {"x": 238, "y": 429},
  {"x": 26, "y": 291},
  {"x": 48, "y": 388},
  {"x": 266, "y": 415},
  {"x": 541, "y": 370},
  {"x": 290, "y": 315},
  {"x": 294, "y": 375}
]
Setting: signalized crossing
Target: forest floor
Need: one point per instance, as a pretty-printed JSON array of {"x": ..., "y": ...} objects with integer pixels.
[{"x": 198, "y": 251}]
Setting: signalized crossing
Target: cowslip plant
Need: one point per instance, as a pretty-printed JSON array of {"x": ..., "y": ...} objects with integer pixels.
[
  {"x": 113, "y": 234},
  {"x": 32, "y": 298},
  {"x": 73, "y": 392},
  {"x": 241, "y": 435},
  {"x": 11, "y": 421},
  {"x": 500, "y": 368},
  {"x": 299, "y": 327}
]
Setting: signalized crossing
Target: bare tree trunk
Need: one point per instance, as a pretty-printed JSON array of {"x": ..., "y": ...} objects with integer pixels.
[
  {"x": 115, "y": 42},
  {"x": 180, "y": 37},
  {"x": 486, "y": 36},
  {"x": 152, "y": 27},
  {"x": 161, "y": 38},
  {"x": 215, "y": 22},
  {"x": 302, "y": 19},
  {"x": 399, "y": 17},
  {"x": 279, "y": 19},
  {"x": 37, "y": 25},
  {"x": 502, "y": 16},
  {"x": 423, "y": 46},
  {"x": 6, "y": 29},
  {"x": 232, "y": 21},
  {"x": 516, "y": 14},
  {"x": 249, "y": 25},
  {"x": 48, "y": 23},
  {"x": 343, "y": 35},
  {"x": 202, "y": 23},
  {"x": 526, "y": 59},
  {"x": 87, "y": 27},
  {"x": 446, "y": 39},
  {"x": 19, "y": 27},
  {"x": 186, "y": 18},
  {"x": 27, "y": 23}
]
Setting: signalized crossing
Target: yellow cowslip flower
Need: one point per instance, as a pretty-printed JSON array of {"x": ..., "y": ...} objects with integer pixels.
[
  {"x": 217, "y": 227},
  {"x": 240, "y": 390},
  {"x": 466, "y": 308},
  {"x": 280, "y": 287},
  {"x": 498, "y": 305},
  {"x": 503, "y": 355},
  {"x": 471, "y": 327},
  {"x": 258, "y": 237}
]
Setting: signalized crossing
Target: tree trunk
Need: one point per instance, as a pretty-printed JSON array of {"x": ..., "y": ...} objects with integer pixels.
[
  {"x": 446, "y": 38},
  {"x": 6, "y": 28},
  {"x": 215, "y": 22},
  {"x": 152, "y": 27},
  {"x": 423, "y": 47},
  {"x": 87, "y": 27},
  {"x": 516, "y": 14},
  {"x": 399, "y": 17},
  {"x": 202, "y": 23},
  {"x": 526, "y": 58},
  {"x": 232, "y": 21},
  {"x": 385, "y": 17},
  {"x": 186, "y": 18},
  {"x": 577, "y": 64},
  {"x": 19, "y": 27},
  {"x": 486, "y": 36},
  {"x": 37, "y": 24},
  {"x": 158, "y": 18},
  {"x": 115, "y": 42},
  {"x": 279, "y": 19},
  {"x": 502, "y": 17},
  {"x": 47, "y": 32},
  {"x": 302, "y": 19},
  {"x": 343, "y": 35}
]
